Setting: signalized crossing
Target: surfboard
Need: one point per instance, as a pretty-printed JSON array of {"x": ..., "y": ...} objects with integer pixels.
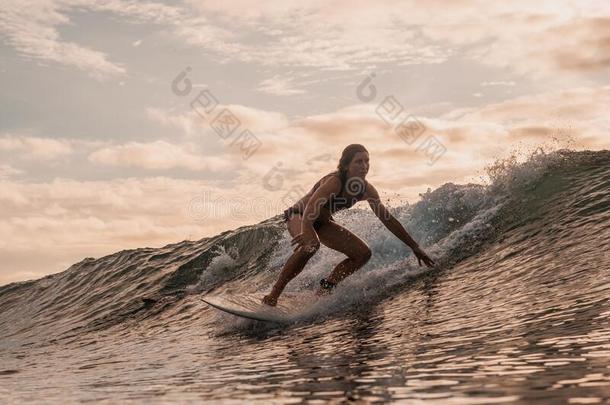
[{"x": 251, "y": 307}]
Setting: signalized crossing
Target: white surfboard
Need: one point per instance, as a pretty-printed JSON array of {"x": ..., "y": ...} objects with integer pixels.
[{"x": 250, "y": 306}]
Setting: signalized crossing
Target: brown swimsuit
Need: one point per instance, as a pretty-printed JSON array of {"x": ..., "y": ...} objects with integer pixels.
[{"x": 335, "y": 203}]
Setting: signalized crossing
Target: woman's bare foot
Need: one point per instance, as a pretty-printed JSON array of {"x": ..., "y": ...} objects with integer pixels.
[{"x": 269, "y": 300}]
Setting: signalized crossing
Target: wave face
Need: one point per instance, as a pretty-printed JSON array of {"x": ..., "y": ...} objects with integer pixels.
[{"x": 517, "y": 311}]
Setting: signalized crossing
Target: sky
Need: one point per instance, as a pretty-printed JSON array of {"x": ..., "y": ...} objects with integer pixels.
[{"x": 128, "y": 124}]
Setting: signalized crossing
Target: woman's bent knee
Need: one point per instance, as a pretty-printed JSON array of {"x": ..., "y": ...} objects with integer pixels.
[{"x": 364, "y": 256}]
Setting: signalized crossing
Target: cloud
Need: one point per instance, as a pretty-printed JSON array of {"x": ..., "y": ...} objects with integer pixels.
[
  {"x": 258, "y": 120},
  {"x": 498, "y": 83},
  {"x": 336, "y": 36},
  {"x": 279, "y": 86},
  {"x": 36, "y": 148},
  {"x": 191, "y": 124},
  {"x": 541, "y": 38},
  {"x": 578, "y": 104},
  {"x": 187, "y": 122},
  {"x": 572, "y": 118},
  {"x": 343, "y": 125},
  {"x": 558, "y": 45},
  {"x": 32, "y": 30},
  {"x": 593, "y": 38},
  {"x": 158, "y": 155},
  {"x": 538, "y": 39},
  {"x": 568, "y": 118},
  {"x": 45, "y": 227},
  {"x": 472, "y": 137},
  {"x": 532, "y": 132},
  {"x": 7, "y": 171}
]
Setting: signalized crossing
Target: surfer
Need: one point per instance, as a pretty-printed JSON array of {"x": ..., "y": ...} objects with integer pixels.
[{"x": 310, "y": 223}]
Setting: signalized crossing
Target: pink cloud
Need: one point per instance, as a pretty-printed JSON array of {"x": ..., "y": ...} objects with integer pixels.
[
  {"x": 36, "y": 148},
  {"x": 158, "y": 155}
]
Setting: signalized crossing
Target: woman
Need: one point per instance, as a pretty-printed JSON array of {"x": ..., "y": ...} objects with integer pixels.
[{"x": 310, "y": 222}]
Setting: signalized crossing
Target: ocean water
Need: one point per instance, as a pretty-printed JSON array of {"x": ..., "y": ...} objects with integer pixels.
[{"x": 517, "y": 311}]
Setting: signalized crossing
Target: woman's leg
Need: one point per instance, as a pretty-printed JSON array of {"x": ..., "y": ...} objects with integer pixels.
[
  {"x": 293, "y": 266},
  {"x": 339, "y": 238}
]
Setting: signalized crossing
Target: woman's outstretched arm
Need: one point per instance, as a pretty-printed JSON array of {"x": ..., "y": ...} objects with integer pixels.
[{"x": 390, "y": 222}]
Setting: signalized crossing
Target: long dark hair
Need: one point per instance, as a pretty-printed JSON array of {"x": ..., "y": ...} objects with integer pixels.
[{"x": 346, "y": 157}]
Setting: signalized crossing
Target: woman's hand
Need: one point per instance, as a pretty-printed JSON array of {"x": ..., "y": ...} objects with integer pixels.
[
  {"x": 422, "y": 256},
  {"x": 308, "y": 239}
]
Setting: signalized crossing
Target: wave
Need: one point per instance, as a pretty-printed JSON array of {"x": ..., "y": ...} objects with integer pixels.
[{"x": 546, "y": 197}]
